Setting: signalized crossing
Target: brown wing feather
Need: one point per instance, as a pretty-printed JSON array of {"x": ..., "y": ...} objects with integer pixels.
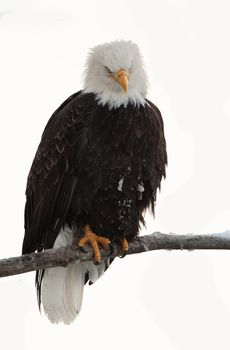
[
  {"x": 53, "y": 175},
  {"x": 161, "y": 159}
]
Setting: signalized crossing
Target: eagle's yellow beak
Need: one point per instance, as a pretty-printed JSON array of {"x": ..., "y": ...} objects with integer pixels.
[{"x": 122, "y": 78}]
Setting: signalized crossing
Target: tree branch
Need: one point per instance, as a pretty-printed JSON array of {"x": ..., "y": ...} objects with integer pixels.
[{"x": 155, "y": 241}]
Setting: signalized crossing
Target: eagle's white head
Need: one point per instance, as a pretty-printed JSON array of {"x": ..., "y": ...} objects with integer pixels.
[{"x": 115, "y": 73}]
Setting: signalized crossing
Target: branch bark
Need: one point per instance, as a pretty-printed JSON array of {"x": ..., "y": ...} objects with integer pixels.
[{"x": 155, "y": 241}]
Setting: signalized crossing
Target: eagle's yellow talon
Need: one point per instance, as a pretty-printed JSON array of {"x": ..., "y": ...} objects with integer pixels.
[
  {"x": 124, "y": 245},
  {"x": 93, "y": 240}
]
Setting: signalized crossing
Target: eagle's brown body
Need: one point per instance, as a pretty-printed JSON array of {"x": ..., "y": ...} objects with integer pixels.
[{"x": 94, "y": 166}]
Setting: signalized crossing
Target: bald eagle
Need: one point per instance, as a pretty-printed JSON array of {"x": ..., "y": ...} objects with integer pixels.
[{"x": 98, "y": 166}]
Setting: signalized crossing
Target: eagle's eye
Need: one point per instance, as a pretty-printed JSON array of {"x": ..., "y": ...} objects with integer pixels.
[{"x": 108, "y": 70}]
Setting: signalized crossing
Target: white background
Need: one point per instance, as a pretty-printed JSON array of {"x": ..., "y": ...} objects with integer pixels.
[{"x": 160, "y": 300}]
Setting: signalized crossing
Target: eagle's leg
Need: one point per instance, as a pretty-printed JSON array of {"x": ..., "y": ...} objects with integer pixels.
[
  {"x": 93, "y": 240},
  {"x": 124, "y": 247}
]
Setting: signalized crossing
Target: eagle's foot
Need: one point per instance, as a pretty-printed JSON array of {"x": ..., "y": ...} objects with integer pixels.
[
  {"x": 94, "y": 240},
  {"x": 124, "y": 247}
]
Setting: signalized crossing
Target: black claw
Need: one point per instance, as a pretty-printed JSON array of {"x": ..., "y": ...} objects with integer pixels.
[
  {"x": 96, "y": 262},
  {"x": 123, "y": 255}
]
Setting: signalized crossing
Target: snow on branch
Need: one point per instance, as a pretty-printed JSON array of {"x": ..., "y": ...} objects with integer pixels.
[{"x": 155, "y": 241}]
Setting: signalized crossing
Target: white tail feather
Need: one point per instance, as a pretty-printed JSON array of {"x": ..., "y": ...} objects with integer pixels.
[
  {"x": 62, "y": 291},
  {"x": 62, "y": 287}
]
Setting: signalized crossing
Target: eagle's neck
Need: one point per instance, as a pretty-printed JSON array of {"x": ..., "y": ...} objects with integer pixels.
[
  {"x": 116, "y": 100},
  {"x": 120, "y": 99}
]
